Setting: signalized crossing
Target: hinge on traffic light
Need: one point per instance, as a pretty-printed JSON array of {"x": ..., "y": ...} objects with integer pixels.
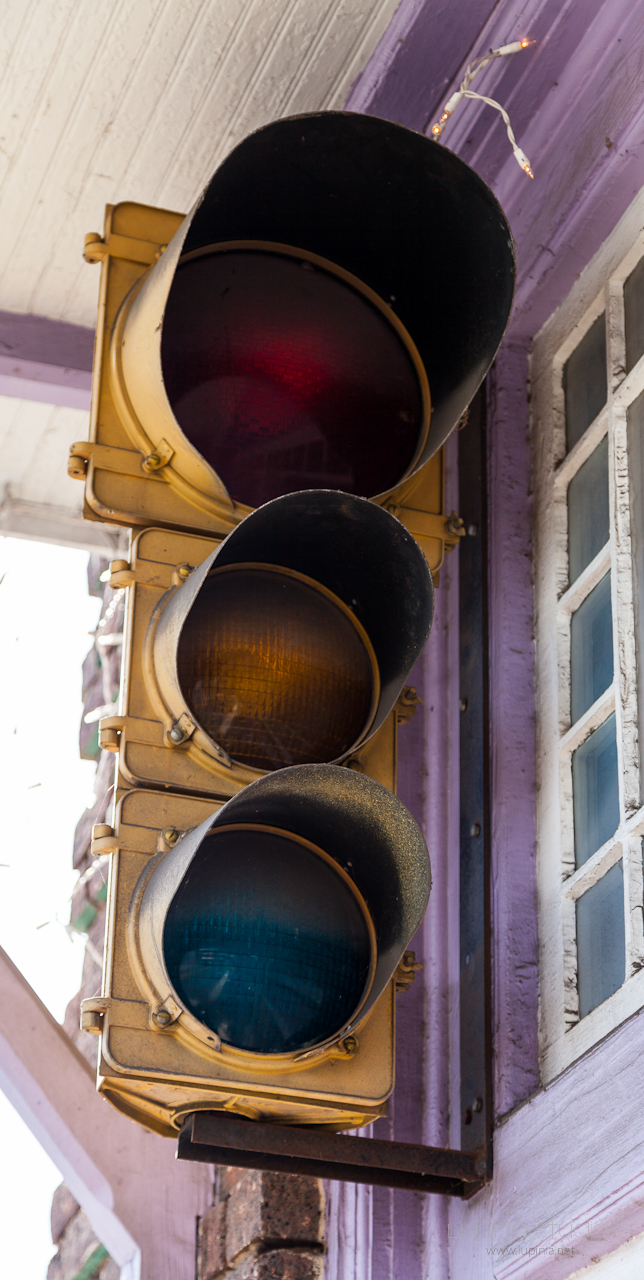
[
  {"x": 129, "y": 247},
  {"x": 92, "y": 1014},
  {"x": 406, "y": 705},
  {"x": 109, "y": 730},
  {"x": 406, "y": 972},
  {"x": 104, "y": 839},
  {"x": 107, "y": 457},
  {"x": 121, "y": 574},
  {"x": 454, "y": 528}
]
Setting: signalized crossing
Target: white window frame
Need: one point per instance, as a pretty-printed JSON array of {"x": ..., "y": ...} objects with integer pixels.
[{"x": 563, "y": 1036}]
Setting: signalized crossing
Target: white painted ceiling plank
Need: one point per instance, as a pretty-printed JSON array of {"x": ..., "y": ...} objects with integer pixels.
[
  {"x": 34, "y": 443},
  {"x": 8, "y": 413},
  {"x": 51, "y": 185},
  {"x": 47, "y": 473},
  {"x": 372, "y": 32},
  {"x": 140, "y": 101}
]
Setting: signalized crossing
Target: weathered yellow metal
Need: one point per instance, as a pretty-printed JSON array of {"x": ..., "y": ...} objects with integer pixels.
[
  {"x": 170, "y": 775},
  {"x": 151, "y": 1064},
  {"x": 126, "y": 461},
  {"x": 157, "y": 742}
]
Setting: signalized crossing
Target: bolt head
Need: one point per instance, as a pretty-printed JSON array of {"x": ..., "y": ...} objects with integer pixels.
[
  {"x": 176, "y": 734},
  {"x": 163, "y": 1017}
]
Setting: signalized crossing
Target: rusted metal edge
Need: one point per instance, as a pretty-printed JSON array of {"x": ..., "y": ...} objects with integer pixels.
[{"x": 215, "y": 1137}]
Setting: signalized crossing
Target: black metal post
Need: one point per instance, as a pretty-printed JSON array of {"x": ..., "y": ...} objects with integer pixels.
[{"x": 475, "y": 984}]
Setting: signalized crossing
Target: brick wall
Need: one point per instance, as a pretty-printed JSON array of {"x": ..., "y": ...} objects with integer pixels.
[
  {"x": 79, "y": 1256},
  {"x": 262, "y": 1226}
]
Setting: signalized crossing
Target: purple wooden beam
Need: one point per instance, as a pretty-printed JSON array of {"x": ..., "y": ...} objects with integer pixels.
[
  {"x": 576, "y": 107},
  {"x": 417, "y": 59},
  {"x": 45, "y": 360},
  {"x": 44, "y": 341}
]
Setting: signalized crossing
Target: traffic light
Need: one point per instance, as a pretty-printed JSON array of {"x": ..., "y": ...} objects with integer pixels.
[
  {"x": 289, "y": 643},
  {"x": 275, "y": 376},
  {"x": 320, "y": 319},
  {"x": 268, "y": 665},
  {"x": 252, "y": 959}
]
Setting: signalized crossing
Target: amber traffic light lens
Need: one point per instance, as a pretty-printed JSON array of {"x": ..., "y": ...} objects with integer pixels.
[
  {"x": 276, "y": 669},
  {"x": 266, "y": 943},
  {"x": 286, "y": 377}
]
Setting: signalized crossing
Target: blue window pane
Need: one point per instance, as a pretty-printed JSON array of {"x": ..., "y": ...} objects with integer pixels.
[
  {"x": 595, "y": 790},
  {"x": 636, "y": 469},
  {"x": 265, "y": 943},
  {"x": 588, "y": 511},
  {"x": 601, "y": 951},
  {"x": 585, "y": 382},
  {"x": 634, "y": 315},
  {"x": 591, "y": 649}
]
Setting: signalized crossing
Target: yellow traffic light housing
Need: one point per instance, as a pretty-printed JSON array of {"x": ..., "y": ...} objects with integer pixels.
[
  {"x": 252, "y": 959},
  {"x": 321, "y": 319},
  {"x": 270, "y": 649}
]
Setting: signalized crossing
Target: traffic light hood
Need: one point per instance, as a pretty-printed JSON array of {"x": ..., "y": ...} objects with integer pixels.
[
  {"x": 388, "y": 211},
  {"x": 367, "y": 565},
  {"x": 398, "y": 211},
  {"x": 348, "y": 820}
]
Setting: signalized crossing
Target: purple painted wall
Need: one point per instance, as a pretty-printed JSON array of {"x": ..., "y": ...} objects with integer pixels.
[
  {"x": 577, "y": 109},
  {"x": 43, "y": 341},
  {"x": 420, "y": 54},
  {"x": 512, "y": 733},
  {"x": 45, "y": 360}
]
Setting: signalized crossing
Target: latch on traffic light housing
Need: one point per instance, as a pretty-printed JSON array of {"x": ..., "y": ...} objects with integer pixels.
[{"x": 275, "y": 376}]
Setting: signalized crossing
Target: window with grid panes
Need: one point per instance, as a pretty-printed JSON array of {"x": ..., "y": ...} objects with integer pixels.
[{"x": 594, "y": 501}]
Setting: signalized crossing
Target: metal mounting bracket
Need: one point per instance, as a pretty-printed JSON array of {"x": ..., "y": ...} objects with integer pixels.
[{"x": 215, "y": 1137}]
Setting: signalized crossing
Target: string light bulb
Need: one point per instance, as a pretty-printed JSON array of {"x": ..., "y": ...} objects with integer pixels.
[{"x": 464, "y": 91}]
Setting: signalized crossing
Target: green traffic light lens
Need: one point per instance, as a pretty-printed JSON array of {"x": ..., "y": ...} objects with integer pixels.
[
  {"x": 267, "y": 943},
  {"x": 276, "y": 669}
]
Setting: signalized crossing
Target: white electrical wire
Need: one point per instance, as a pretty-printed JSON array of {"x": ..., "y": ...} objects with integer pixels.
[{"x": 465, "y": 92}]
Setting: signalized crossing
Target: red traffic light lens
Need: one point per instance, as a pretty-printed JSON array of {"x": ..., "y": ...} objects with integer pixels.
[
  {"x": 275, "y": 668},
  {"x": 285, "y": 377},
  {"x": 266, "y": 942}
]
